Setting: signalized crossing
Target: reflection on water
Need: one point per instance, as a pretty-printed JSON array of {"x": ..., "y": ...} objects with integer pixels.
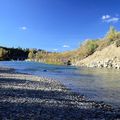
[{"x": 95, "y": 84}]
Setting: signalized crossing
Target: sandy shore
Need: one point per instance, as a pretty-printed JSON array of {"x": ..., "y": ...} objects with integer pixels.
[{"x": 28, "y": 97}]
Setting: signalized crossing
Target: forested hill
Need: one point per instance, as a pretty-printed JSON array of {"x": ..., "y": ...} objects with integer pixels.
[
  {"x": 20, "y": 54},
  {"x": 13, "y": 53}
]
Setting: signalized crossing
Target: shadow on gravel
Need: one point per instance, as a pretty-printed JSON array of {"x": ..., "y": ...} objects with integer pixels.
[
  {"x": 31, "y": 104},
  {"x": 6, "y": 70}
]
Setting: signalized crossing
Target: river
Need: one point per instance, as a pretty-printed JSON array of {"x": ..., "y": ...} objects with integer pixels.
[{"x": 95, "y": 84}]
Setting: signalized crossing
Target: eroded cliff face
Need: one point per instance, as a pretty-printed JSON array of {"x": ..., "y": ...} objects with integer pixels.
[{"x": 109, "y": 57}]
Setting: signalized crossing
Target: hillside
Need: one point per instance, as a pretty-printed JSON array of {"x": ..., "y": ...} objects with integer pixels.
[
  {"x": 108, "y": 57},
  {"x": 106, "y": 53}
]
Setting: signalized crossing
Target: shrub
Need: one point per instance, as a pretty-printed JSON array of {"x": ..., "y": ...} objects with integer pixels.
[
  {"x": 91, "y": 46},
  {"x": 3, "y": 54},
  {"x": 112, "y": 34}
]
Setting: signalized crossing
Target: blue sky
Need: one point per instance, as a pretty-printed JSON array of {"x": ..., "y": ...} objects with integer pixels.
[{"x": 55, "y": 25}]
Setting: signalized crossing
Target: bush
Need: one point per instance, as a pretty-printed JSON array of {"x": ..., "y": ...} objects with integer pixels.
[
  {"x": 3, "y": 54},
  {"x": 112, "y": 34},
  {"x": 91, "y": 46}
]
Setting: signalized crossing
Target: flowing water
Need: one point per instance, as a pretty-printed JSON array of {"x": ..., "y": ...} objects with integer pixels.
[{"x": 95, "y": 84}]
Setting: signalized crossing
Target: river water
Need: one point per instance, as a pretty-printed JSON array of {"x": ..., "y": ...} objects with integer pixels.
[{"x": 95, "y": 84}]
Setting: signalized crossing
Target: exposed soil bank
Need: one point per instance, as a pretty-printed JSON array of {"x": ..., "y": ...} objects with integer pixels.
[{"x": 109, "y": 57}]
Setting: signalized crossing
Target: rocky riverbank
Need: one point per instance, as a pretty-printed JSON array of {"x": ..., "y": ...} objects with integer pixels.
[
  {"x": 28, "y": 97},
  {"x": 106, "y": 63}
]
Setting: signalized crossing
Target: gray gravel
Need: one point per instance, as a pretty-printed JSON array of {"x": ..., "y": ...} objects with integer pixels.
[{"x": 27, "y": 97}]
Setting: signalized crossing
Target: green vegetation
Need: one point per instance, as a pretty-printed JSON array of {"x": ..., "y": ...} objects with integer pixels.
[
  {"x": 112, "y": 34},
  {"x": 86, "y": 49},
  {"x": 31, "y": 54},
  {"x": 13, "y": 53},
  {"x": 3, "y": 54}
]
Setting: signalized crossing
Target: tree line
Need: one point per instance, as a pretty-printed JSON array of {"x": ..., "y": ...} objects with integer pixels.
[{"x": 13, "y": 53}]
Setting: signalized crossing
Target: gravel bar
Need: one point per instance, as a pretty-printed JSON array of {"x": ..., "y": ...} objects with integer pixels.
[{"x": 28, "y": 97}]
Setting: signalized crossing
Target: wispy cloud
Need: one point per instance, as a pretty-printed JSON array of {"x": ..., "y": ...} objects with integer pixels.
[
  {"x": 55, "y": 49},
  {"x": 114, "y": 19},
  {"x": 65, "y": 46},
  {"x": 23, "y": 28},
  {"x": 109, "y": 19}
]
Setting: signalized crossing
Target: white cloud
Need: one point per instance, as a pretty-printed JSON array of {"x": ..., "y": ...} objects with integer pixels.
[
  {"x": 109, "y": 19},
  {"x": 65, "y": 46},
  {"x": 104, "y": 17},
  {"x": 55, "y": 49},
  {"x": 23, "y": 28}
]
